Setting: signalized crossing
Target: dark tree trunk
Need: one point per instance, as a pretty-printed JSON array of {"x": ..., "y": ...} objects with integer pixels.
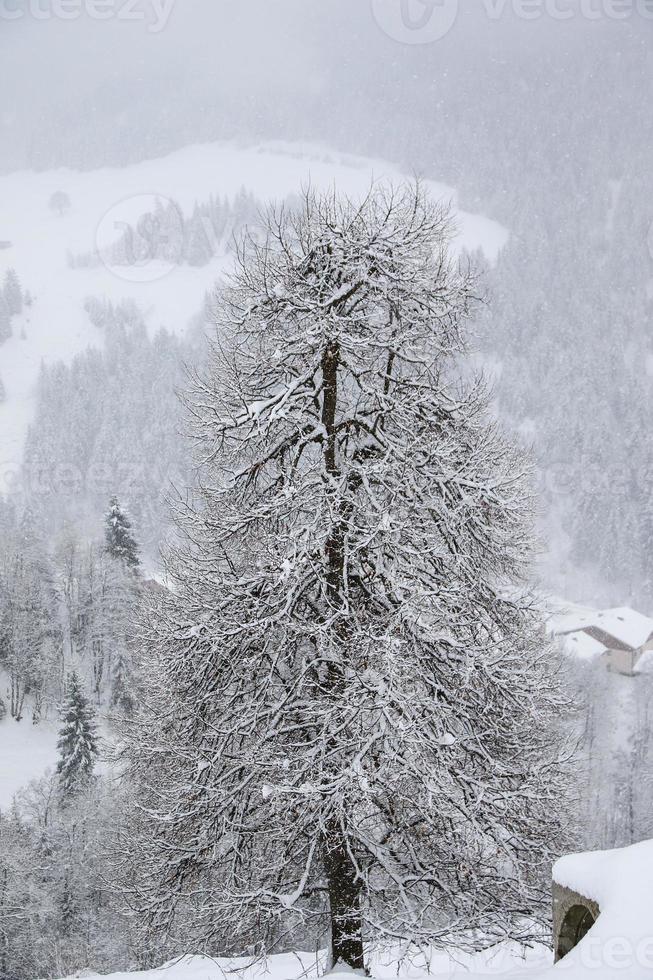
[
  {"x": 343, "y": 882},
  {"x": 344, "y": 901}
]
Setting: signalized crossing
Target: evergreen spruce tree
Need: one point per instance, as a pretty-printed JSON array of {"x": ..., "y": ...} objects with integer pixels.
[
  {"x": 119, "y": 540},
  {"x": 78, "y": 741},
  {"x": 13, "y": 293}
]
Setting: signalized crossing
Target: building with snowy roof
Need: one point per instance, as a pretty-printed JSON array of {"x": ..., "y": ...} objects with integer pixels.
[{"x": 621, "y": 638}]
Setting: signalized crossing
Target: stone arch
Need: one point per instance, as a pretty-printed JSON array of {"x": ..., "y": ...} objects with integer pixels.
[
  {"x": 573, "y": 917},
  {"x": 576, "y": 924}
]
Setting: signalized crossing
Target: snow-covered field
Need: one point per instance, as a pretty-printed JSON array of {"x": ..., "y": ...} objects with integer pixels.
[
  {"x": 56, "y": 326},
  {"x": 507, "y": 960}
]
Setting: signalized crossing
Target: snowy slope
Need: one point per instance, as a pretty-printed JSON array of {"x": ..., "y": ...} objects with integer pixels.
[
  {"x": 26, "y": 751},
  {"x": 57, "y": 327}
]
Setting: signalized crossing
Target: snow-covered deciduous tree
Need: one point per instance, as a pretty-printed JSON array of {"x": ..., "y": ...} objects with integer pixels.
[
  {"x": 119, "y": 540},
  {"x": 107, "y": 594},
  {"x": 78, "y": 741},
  {"x": 351, "y": 726},
  {"x": 29, "y": 634},
  {"x": 57, "y": 915}
]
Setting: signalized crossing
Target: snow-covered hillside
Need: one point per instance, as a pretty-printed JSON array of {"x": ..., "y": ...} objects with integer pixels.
[{"x": 39, "y": 241}]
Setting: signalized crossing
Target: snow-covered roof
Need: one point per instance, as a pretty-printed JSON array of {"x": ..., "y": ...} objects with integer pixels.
[
  {"x": 590, "y": 632},
  {"x": 583, "y": 645}
]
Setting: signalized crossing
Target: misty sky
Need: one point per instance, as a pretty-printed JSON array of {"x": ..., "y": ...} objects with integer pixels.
[{"x": 161, "y": 73}]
